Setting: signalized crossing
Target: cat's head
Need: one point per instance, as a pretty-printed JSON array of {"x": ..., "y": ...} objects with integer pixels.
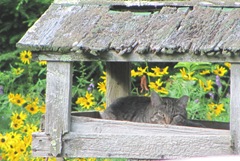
[{"x": 166, "y": 110}]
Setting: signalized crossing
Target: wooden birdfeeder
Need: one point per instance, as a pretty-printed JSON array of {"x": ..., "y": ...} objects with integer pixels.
[{"x": 119, "y": 33}]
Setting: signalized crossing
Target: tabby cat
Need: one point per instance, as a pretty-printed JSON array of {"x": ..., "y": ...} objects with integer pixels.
[{"x": 154, "y": 109}]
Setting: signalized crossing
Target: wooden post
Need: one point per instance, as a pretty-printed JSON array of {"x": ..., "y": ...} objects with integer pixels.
[
  {"x": 118, "y": 80},
  {"x": 58, "y": 102},
  {"x": 235, "y": 107}
]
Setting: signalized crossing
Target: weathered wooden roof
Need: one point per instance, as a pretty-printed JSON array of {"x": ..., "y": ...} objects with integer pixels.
[{"x": 151, "y": 32}]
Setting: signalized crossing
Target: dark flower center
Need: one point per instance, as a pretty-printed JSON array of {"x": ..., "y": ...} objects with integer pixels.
[{"x": 3, "y": 140}]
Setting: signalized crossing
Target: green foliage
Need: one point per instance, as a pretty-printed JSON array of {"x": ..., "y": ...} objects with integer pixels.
[
  {"x": 206, "y": 84},
  {"x": 24, "y": 82},
  {"x": 15, "y": 18},
  {"x": 192, "y": 67}
]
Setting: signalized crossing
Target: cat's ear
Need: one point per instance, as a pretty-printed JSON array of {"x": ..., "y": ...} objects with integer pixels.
[
  {"x": 182, "y": 102},
  {"x": 156, "y": 100}
]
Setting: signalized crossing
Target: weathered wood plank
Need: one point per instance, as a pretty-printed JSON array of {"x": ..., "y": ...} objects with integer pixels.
[
  {"x": 45, "y": 29},
  {"x": 227, "y": 3},
  {"x": 145, "y": 146},
  {"x": 41, "y": 144},
  {"x": 118, "y": 80},
  {"x": 91, "y": 125},
  {"x": 235, "y": 107},
  {"x": 112, "y": 56},
  {"x": 58, "y": 101},
  {"x": 128, "y": 31},
  {"x": 161, "y": 27},
  {"x": 121, "y": 139},
  {"x": 86, "y": 18},
  {"x": 231, "y": 39},
  {"x": 96, "y": 114},
  {"x": 219, "y": 32},
  {"x": 193, "y": 30}
]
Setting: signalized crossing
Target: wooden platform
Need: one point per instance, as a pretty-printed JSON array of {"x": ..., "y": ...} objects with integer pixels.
[{"x": 95, "y": 137}]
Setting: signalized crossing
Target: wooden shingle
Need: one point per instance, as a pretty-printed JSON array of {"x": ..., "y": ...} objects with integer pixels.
[{"x": 137, "y": 33}]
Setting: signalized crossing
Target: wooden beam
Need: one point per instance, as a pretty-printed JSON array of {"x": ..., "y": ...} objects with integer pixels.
[
  {"x": 58, "y": 102},
  {"x": 235, "y": 107},
  {"x": 118, "y": 80},
  {"x": 121, "y": 139},
  {"x": 142, "y": 146},
  {"x": 209, "y": 3},
  {"x": 96, "y": 114},
  {"x": 135, "y": 57}
]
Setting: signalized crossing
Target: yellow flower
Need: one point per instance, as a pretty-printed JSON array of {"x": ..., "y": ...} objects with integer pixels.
[
  {"x": 81, "y": 159},
  {"x": 19, "y": 100},
  {"x": 140, "y": 71},
  {"x": 14, "y": 136},
  {"x": 163, "y": 91},
  {"x": 16, "y": 99},
  {"x": 27, "y": 139},
  {"x": 102, "y": 87},
  {"x": 104, "y": 105},
  {"x": 133, "y": 73},
  {"x": 206, "y": 87},
  {"x": 158, "y": 71},
  {"x": 4, "y": 156},
  {"x": 220, "y": 71},
  {"x": 29, "y": 98},
  {"x": 157, "y": 87},
  {"x": 29, "y": 129},
  {"x": 18, "y": 116},
  {"x": 150, "y": 74},
  {"x": 104, "y": 77},
  {"x": 91, "y": 159},
  {"x": 14, "y": 152},
  {"x": 205, "y": 72},
  {"x": 187, "y": 76},
  {"x": 18, "y": 71},
  {"x": 42, "y": 108},
  {"x": 87, "y": 101},
  {"x": 42, "y": 62},
  {"x": 32, "y": 108},
  {"x": 228, "y": 65},
  {"x": 87, "y": 104},
  {"x": 38, "y": 159},
  {"x": 22, "y": 148},
  {"x": 101, "y": 108},
  {"x": 80, "y": 100},
  {"x": 3, "y": 141},
  {"x": 16, "y": 124},
  {"x": 217, "y": 109},
  {"x": 89, "y": 96},
  {"x": 26, "y": 56},
  {"x": 11, "y": 97}
]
